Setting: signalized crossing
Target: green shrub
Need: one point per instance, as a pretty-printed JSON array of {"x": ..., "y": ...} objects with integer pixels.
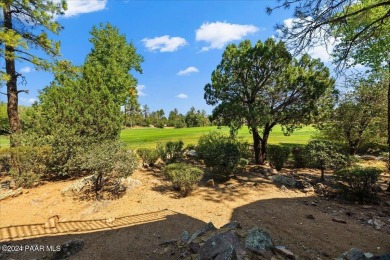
[
  {"x": 299, "y": 155},
  {"x": 359, "y": 181},
  {"x": 243, "y": 162},
  {"x": 105, "y": 159},
  {"x": 372, "y": 148},
  {"x": 183, "y": 176},
  {"x": 170, "y": 151},
  {"x": 148, "y": 156},
  {"x": 322, "y": 154},
  {"x": 28, "y": 164},
  {"x": 277, "y": 155},
  {"x": 220, "y": 153}
]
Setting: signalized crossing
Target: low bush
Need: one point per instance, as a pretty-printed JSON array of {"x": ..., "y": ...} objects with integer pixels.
[
  {"x": 322, "y": 154},
  {"x": 359, "y": 182},
  {"x": 148, "y": 156},
  {"x": 170, "y": 152},
  {"x": 27, "y": 164},
  {"x": 243, "y": 162},
  {"x": 220, "y": 153},
  {"x": 299, "y": 155},
  {"x": 277, "y": 155},
  {"x": 183, "y": 176},
  {"x": 372, "y": 148},
  {"x": 106, "y": 159}
]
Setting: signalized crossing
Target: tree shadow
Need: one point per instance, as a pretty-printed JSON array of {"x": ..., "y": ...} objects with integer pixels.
[
  {"x": 129, "y": 237},
  {"x": 305, "y": 226}
]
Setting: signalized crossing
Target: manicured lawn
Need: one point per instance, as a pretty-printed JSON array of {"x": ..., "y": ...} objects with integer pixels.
[{"x": 149, "y": 137}]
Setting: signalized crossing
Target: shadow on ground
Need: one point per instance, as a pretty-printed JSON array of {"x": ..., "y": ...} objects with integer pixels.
[{"x": 133, "y": 237}]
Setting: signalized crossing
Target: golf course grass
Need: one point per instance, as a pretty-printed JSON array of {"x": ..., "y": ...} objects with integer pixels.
[{"x": 148, "y": 137}]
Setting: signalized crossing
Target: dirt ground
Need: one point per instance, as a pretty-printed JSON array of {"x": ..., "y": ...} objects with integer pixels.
[{"x": 133, "y": 226}]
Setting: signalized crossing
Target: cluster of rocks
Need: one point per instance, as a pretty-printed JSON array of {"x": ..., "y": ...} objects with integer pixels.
[
  {"x": 9, "y": 189},
  {"x": 231, "y": 242},
  {"x": 228, "y": 242},
  {"x": 358, "y": 254},
  {"x": 81, "y": 185}
]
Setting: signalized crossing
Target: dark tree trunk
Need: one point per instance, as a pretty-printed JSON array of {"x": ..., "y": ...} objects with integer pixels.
[
  {"x": 12, "y": 86},
  {"x": 256, "y": 144},
  {"x": 353, "y": 147},
  {"x": 322, "y": 168},
  {"x": 264, "y": 144}
]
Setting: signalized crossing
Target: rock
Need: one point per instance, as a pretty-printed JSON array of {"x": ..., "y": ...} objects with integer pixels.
[
  {"x": 388, "y": 202},
  {"x": 310, "y": 216},
  {"x": 302, "y": 184},
  {"x": 192, "y": 153},
  {"x": 184, "y": 237},
  {"x": 78, "y": 185},
  {"x": 319, "y": 188},
  {"x": 208, "y": 227},
  {"x": 210, "y": 183},
  {"x": 378, "y": 223},
  {"x": 338, "y": 220},
  {"x": 232, "y": 225},
  {"x": 225, "y": 245},
  {"x": 5, "y": 184},
  {"x": 287, "y": 253},
  {"x": 283, "y": 188},
  {"x": 68, "y": 249},
  {"x": 10, "y": 193},
  {"x": 130, "y": 183},
  {"x": 284, "y": 180},
  {"x": 308, "y": 189},
  {"x": 259, "y": 241},
  {"x": 353, "y": 254},
  {"x": 368, "y": 255}
]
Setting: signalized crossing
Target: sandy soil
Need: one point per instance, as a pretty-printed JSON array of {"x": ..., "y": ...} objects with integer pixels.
[{"x": 133, "y": 226}]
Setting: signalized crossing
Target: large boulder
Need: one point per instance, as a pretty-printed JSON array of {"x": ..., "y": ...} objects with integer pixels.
[
  {"x": 284, "y": 180},
  {"x": 224, "y": 245},
  {"x": 259, "y": 241},
  {"x": 78, "y": 186}
]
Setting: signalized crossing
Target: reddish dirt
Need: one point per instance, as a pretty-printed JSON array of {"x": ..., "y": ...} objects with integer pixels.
[{"x": 144, "y": 222}]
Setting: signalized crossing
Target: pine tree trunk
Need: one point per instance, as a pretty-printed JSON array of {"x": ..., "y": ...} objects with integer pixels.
[
  {"x": 256, "y": 144},
  {"x": 264, "y": 144},
  {"x": 12, "y": 86}
]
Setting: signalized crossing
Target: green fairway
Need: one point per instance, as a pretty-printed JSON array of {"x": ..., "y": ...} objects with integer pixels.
[{"x": 149, "y": 137}]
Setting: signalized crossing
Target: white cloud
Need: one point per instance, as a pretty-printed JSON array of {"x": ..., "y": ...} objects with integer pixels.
[
  {"x": 139, "y": 90},
  {"x": 76, "y": 7},
  {"x": 164, "y": 43},
  {"x": 31, "y": 100},
  {"x": 28, "y": 101},
  {"x": 25, "y": 70},
  {"x": 218, "y": 34},
  {"x": 182, "y": 95},
  {"x": 188, "y": 71}
]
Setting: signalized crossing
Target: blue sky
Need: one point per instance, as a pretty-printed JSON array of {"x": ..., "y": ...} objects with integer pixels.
[{"x": 181, "y": 41}]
